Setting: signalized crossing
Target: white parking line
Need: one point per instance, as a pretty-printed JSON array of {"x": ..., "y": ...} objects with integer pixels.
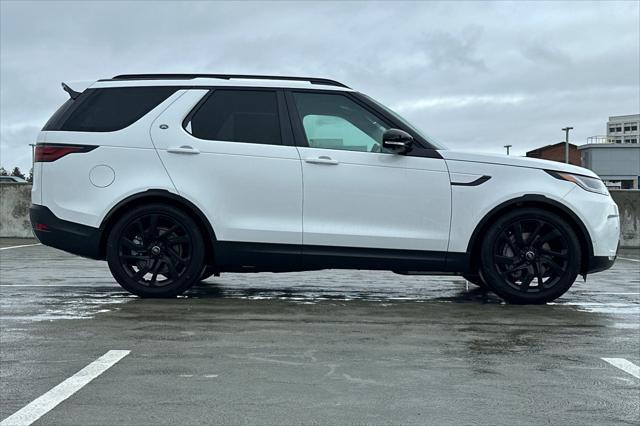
[
  {"x": 48, "y": 401},
  {"x": 632, "y": 260},
  {"x": 23, "y": 245},
  {"x": 624, "y": 365}
]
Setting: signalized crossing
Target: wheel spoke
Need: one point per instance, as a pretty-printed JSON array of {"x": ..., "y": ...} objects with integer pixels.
[
  {"x": 531, "y": 239},
  {"x": 142, "y": 272},
  {"x": 517, "y": 267},
  {"x": 152, "y": 230},
  {"x": 175, "y": 256},
  {"x": 505, "y": 259},
  {"x": 135, "y": 257},
  {"x": 154, "y": 272},
  {"x": 526, "y": 281},
  {"x": 138, "y": 224},
  {"x": 507, "y": 238},
  {"x": 170, "y": 266},
  {"x": 131, "y": 245},
  {"x": 169, "y": 231},
  {"x": 553, "y": 265},
  {"x": 536, "y": 269},
  {"x": 179, "y": 240},
  {"x": 518, "y": 234},
  {"x": 552, "y": 253},
  {"x": 551, "y": 235}
]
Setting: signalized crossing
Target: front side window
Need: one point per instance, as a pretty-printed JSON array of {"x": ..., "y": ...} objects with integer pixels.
[
  {"x": 333, "y": 121},
  {"x": 249, "y": 116}
]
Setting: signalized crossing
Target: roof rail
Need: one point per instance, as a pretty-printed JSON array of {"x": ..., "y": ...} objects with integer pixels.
[{"x": 311, "y": 80}]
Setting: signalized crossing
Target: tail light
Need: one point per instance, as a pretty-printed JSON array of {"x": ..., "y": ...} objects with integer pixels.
[{"x": 46, "y": 153}]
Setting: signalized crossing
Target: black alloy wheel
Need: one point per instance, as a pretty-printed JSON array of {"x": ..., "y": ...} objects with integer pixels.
[
  {"x": 530, "y": 256},
  {"x": 156, "y": 251}
]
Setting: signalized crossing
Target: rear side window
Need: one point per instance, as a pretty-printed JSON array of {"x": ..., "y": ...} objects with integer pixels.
[
  {"x": 107, "y": 110},
  {"x": 249, "y": 116}
]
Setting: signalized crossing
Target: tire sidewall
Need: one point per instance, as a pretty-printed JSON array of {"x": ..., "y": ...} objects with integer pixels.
[
  {"x": 495, "y": 281},
  {"x": 180, "y": 285}
]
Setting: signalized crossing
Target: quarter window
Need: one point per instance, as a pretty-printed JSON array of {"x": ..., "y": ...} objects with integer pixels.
[
  {"x": 336, "y": 122},
  {"x": 238, "y": 116},
  {"x": 107, "y": 109}
]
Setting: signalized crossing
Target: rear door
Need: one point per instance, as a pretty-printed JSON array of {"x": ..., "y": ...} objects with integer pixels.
[{"x": 230, "y": 152}]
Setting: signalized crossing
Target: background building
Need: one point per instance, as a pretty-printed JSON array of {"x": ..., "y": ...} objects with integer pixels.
[
  {"x": 618, "y": 164},
  {"x": 623, "y": 129},
  {"x": 555, "y": 152}
]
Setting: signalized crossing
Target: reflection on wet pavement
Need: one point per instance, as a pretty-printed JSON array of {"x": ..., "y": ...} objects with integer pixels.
[{"x": 68, "y": 287}]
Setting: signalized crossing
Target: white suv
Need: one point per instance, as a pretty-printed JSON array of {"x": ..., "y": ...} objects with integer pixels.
[{"x": 173, "y": 178}]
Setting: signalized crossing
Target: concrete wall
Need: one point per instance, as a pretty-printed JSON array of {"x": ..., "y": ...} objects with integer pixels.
[
  {"x": 15, "y": 199},
  {"x": 628, "y": 202}
]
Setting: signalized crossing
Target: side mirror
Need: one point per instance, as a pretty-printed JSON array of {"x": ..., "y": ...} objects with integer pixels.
[{"x": 397, "y": 141}]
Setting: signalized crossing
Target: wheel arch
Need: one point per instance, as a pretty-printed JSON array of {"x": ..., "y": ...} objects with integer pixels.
[
  {"x": 538, "y": 201},
  {"x": 162, "y": 196}
]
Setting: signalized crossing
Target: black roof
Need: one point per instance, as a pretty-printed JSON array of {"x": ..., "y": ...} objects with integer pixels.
[{"x": 312, "y": 80}]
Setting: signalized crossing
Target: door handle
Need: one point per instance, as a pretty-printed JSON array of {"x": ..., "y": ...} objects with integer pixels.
[
  {"x": 323, "y": 159},
  {"x": 184, "y": 149}
]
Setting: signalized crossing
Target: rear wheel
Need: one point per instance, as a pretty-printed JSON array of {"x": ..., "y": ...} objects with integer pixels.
[
  {"x": 155, "y": 251},
  {"x": 530, "y": 256}
]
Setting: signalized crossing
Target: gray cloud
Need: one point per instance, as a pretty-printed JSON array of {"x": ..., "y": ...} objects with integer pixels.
[{"x": 475, "y": 75}]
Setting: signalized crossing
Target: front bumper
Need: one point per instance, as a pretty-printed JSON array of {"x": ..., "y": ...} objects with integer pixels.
[
  {"x": 600, "y": 216},
  {"x": 64, "y": 235}
]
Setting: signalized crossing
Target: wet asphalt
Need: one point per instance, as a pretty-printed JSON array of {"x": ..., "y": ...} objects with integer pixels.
[{"x": 327, "y": 347}]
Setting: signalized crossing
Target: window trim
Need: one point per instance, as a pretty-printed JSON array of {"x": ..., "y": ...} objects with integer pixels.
[
  {"x": 422, "y": 148},
  {"x": 286, "y": 134}
]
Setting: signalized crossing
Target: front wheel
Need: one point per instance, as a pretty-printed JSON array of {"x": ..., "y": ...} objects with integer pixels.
[
  {"x": 155, "y": 251},
  {"x": 476, "y": 280},
  {"x": 531, "y": 256}
]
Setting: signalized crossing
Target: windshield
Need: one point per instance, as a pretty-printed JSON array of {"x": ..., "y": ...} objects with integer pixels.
[{"x": 436, "y": 144}]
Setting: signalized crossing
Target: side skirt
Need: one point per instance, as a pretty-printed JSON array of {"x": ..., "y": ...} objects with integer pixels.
[{"x": 265, "y": 257}]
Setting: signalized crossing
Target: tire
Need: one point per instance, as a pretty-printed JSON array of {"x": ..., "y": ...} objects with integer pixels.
[
  {"x": 476, "y": 280},
  {"x": 530, "y": 256},
  {"x": 208, "y": 271},
  {"x": 155, "y": 251}
]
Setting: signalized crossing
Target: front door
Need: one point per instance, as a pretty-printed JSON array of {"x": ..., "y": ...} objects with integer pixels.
[{"x": 356, "y": 194}]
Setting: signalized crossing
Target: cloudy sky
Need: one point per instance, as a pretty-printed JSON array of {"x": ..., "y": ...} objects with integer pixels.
[{"x": 475, "y": 75}]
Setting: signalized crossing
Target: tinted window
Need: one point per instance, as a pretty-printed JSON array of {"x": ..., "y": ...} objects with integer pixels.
[
  {"x": 56, "y": 120},
  {"x": 107, "y": 110},
  {"x": 238, "y": 116},
  {"x": 336, "y": 122}
]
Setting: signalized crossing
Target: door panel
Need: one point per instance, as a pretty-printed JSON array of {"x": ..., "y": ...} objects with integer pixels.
[
  {"x": 357, "y": 194},
  {"x": 375, "y": 200},
  {"x": 251, "y": 192}
]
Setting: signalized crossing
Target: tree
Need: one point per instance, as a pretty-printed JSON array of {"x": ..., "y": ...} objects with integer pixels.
[
  {"x": 30, "y": 177},
  {"x": 16, "y": 172},
  {"x": 3, "y": 172}
]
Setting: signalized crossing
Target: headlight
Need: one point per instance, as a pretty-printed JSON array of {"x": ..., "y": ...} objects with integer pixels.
[{"x": 585, "y": 182}]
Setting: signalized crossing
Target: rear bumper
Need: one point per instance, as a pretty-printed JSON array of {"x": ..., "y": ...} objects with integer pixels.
[{"x": 68, "y": 236}]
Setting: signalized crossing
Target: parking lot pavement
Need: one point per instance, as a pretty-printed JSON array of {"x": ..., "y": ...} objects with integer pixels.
[{"x": 318, "y": 347}]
